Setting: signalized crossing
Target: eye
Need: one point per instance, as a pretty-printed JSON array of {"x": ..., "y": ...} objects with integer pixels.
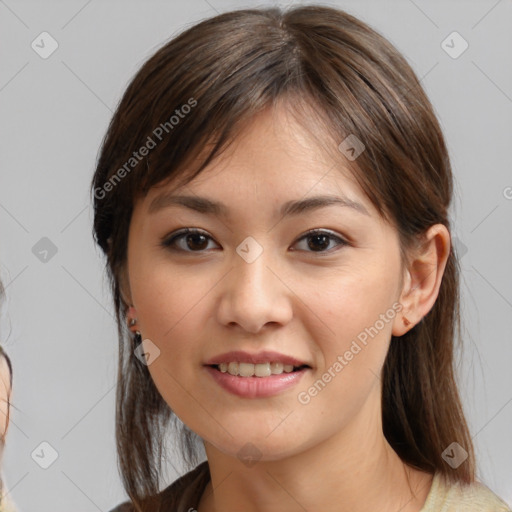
[
  {"x": 195, "y": 239},
  {"x": 320, "y": 240}
]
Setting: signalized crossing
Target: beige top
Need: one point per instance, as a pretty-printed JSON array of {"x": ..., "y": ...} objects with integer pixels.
[
  {"x": 6, "y": 505},
  {"x": 457, "y": 498},
  {"x": 184, "y": 494}
]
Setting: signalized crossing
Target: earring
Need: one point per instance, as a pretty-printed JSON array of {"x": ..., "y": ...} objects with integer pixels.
[
  {"x": 132, "y": 326},
  {"x": 406, "y": 322}
]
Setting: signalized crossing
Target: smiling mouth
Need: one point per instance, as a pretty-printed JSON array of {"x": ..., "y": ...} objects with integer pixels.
[{"x": 257, "y": 370}]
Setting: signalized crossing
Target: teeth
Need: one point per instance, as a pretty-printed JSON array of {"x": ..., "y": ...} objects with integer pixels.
[
  {"x": 248, "y": 369},
  {"x": 260, "y": 370},
  {"x": 277, "y": 368}
]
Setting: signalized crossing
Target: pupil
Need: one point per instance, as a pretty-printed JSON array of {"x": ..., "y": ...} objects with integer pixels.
[
  {"x": 325, "y": 239},
  {"x": 196, "y": 236}
]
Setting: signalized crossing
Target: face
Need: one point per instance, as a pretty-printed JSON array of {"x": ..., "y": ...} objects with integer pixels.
[
  {"x": 259, "y": 281},
  {"x": 5, "y": 389}
]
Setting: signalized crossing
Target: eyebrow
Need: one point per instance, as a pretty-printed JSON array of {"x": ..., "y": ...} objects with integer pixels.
[{"x": 209, "y": 207}]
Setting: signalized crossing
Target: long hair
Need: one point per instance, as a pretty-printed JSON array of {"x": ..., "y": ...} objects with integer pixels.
[{"x": 339, "y": 77}]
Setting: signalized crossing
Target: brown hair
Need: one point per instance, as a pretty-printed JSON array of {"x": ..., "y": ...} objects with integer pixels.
[{"x": 337, "y": 74}]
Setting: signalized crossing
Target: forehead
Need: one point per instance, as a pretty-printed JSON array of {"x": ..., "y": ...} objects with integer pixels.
[{"x": 272, "y": 161}]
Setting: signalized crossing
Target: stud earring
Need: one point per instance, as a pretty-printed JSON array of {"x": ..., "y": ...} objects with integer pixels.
[
  {"x": 132, "y": 326},
  {"x": 406, "y": 322}
]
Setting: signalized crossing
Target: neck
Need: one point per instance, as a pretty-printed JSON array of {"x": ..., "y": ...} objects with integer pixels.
[{"x": 355, "y": 470}]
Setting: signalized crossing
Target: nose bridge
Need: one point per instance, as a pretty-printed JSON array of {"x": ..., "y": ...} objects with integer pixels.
[
  {"x": 254, "y": 295},
  {"x": 251, "y": 272}
]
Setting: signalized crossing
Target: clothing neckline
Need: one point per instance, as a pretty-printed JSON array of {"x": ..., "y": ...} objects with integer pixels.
[{"x": 200, "y": 478}]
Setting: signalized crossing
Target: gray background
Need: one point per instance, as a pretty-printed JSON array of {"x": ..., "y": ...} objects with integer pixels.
[{"x": 57, "y": 320}]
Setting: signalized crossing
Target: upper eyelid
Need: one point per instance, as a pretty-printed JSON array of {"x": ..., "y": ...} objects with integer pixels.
[
  {"x": 166, "y": 240},
  {"x": 185, "y": 231}
]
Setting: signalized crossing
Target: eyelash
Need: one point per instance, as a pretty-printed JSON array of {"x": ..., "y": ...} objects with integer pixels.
[{"x": 169, "y": 242}]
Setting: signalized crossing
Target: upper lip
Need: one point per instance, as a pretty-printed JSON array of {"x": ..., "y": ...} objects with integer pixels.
[{"x": 266, "y": 356}]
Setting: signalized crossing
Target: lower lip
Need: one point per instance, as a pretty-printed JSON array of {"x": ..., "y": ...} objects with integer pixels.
[{"x": 256, "y": 387}]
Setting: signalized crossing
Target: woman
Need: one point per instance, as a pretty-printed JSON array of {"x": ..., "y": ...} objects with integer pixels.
[
  {"x": 6, "y": 504},
  {"x": 272, "y": 198}
]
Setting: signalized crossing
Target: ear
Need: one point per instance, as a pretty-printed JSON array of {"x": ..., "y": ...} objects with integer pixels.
[
  {"x": 423, "y": 278},
  {"x": 124, "y": 286}
]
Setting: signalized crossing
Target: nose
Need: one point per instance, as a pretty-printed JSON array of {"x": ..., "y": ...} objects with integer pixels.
[{"x": 254, "y": 295}]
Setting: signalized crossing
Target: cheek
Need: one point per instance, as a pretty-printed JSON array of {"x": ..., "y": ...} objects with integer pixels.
[
  {"x": 168, "y": 303},
  {"x": 174, "y": 306},
  {"x": 160, "y": 290},
  {"x": 351, "y": 301},
  {"x": 356, "y": 313}
]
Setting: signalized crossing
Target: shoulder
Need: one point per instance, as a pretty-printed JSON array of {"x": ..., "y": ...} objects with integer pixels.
[
  {"x": 475, "y": 497},
  {"x": 187, "y": 488}
]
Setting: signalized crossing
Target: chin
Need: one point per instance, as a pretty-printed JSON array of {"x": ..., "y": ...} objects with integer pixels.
[{"x": 258, "y": 448}]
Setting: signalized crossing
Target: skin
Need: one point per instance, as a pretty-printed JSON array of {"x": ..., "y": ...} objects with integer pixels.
[
  {"x": 5, "y": 390},
  {"x": 307, "y": 301}
]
